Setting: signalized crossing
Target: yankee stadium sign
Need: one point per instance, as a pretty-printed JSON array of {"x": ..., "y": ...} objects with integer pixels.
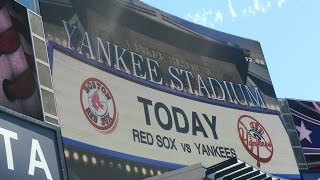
[
  {"x": 119, "y": 58},
  {"x": 152, "y": 123}
]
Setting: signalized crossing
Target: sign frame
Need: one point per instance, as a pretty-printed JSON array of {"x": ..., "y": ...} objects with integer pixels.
[{"x": 52, "y": 46}]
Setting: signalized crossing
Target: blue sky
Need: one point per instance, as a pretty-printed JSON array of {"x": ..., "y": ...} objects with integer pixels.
[{"x": 289, "y": 33}]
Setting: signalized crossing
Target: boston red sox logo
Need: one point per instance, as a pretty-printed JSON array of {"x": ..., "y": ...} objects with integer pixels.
[
  {"x": 98, "y": 105},
  {"x": 255, "y": 139}
]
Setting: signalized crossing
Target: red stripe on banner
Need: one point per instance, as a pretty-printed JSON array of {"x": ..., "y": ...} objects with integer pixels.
[
  {"x": 312, "y": 166},
  {"x": 9, "y": 41}
]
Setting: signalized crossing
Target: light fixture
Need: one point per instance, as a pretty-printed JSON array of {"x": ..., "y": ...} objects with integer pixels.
[
  {"x": 76, "y": 156},
  {"x": 85, "y": 158},
  {"x": 128, "y": 168},
  {"x": 94, "y": 160},
  {"x": 144, "y": 171},
  {"x": 66, "y": 153}
]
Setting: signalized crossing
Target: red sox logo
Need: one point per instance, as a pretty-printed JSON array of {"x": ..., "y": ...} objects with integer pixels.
[
  {"x": 98, "y": 105},
  {"x": 255, "y": 139}
]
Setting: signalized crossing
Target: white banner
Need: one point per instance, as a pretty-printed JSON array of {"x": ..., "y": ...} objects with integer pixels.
[{"x": 109, "y": 111}]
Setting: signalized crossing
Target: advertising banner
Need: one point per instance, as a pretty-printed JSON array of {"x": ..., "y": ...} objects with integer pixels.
[
  {"x": 29, "y": 149},
  {"x": 110, "y": 110},
  {"x": 306, "y": 117},
  {"x": 139, "y": 95},
  {"x": 18, "y": 80}
]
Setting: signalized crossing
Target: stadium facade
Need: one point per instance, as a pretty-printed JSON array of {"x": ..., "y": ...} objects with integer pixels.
[{"x": 121, "y": 90}]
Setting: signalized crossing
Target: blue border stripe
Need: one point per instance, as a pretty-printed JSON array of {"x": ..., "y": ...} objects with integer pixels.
[
  {"x": 99, "y": 150},
  {"x": 288, "y": 176}
]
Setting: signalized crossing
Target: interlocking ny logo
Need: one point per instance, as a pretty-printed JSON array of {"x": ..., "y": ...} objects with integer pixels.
[{"x": 255, "y": 139}]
